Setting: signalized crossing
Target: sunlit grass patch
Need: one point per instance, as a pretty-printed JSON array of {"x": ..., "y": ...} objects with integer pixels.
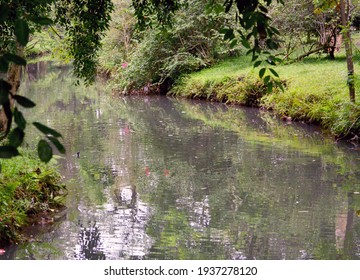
[{"x": 316, "y": 90}]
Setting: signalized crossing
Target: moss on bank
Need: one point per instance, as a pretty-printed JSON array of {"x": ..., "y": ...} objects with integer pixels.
[
  {"x": 316, "y": 91},
  {"x": 27, "y": 187}
]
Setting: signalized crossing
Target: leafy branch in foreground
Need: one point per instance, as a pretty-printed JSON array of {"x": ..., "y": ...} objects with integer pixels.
[{"x": 84, "y": 23}]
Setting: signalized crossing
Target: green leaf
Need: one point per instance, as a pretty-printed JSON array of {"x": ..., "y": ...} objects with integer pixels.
[
  {"x": 46, "y": 130},
  {"x": 8, "y": 152},
  {"x": 15, "y": 58},
  {"x": 263, "y": 9},
  {"x": 257, "y": 63},
  {"x": 42, "y": 20},
  {"x": 19, "y": 119},
  {"x": 44, "y": 151},
  {"x": 57, "y": 144},
  {"x": 23, "y": 101},
  {"x": 267, "y": 80},
  {"x": 269, "y": 87},
  {"x": 233, "y": 43},
  {"x": 245, "y": 43},
  {"x": 22, "y": 31},
  {"x": 274, "y": 72},
  {"x": 4, "y": 91},
  {"x": 16, "y": 137},
  {"x": 262, "y": 72},
  {"x": 229, "y": 34},
  {"x": 4, "y": 64}
]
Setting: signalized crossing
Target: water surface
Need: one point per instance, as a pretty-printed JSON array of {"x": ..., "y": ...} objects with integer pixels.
[{"x": 162, "y": 178}]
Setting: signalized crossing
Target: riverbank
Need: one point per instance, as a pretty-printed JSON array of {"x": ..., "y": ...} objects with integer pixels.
[
  {"x": 28, "y": 187},
  {"x": 315, "y": 91}
]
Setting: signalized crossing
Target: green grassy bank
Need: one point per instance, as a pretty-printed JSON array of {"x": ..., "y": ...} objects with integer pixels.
[
  {"x": 27, "y": 187},
  {"x": 315, "y": 91}
]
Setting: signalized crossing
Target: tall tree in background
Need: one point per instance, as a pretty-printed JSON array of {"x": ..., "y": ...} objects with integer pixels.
[
  {"x": 345, "y": 21},
  {"x": 343, "y": 8}
]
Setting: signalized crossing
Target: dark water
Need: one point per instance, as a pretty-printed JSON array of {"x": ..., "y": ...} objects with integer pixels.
[{"x": 161, "y": 178}]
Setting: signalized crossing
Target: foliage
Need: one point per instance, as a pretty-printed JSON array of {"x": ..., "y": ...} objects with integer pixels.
[
  {"x": 254, "y": 28},
  {"x": 119, "y": 40},
  {"x": 162, "y": 54},
  {"x": 84, "y": 23},
  {"x": 27, "y": 186},
  {"x": 306, "y": 97}
]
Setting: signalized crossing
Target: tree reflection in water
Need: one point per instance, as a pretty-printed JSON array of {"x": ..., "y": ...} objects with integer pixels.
[
  {"x": 89, "y": 245},
  {"x": 119, "y": 231}
]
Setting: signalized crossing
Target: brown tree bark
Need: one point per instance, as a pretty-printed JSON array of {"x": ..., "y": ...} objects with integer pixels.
[
  {"x": 13, "y": 78},
  {"x": 344, "y": 9}
]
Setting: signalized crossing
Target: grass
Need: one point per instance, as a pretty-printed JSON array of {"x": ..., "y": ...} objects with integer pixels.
[
  {"x": 316, "y": 90},
  {"x": 27, "y": 187}
]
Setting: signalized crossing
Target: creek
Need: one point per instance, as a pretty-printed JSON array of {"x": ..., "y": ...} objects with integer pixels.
[{"x": 166, "y": 178}]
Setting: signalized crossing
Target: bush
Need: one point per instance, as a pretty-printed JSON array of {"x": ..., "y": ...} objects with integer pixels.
[{"x": 161, "y": 55}]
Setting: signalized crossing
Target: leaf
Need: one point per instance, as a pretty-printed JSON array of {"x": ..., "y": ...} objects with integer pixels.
[
  {"x": 254, "y": 57},
  {"x": 233, "y": 43},
  {"x": 257, "y": 63},
  {"x": 19, "y": 119},
  {"x": 23, "y": 101},
  {"x": 245, "y": 43},
  {"x": 22, "y": 31},
  {"x": 15, "y": 58},
  {"x": 8, "y": 152},
  {"x": 267, "y": 80},
  {"x": 274, "y": 72},
  {"x": 46, "y": 130},
  {"x": 42, "y": 20},
  {"x": 269, "y": 87},
  {"x": 262, "y": 72},
  {"x": 4, "y": 64},
  {"x": 16, "y": 137},
  {"x": 263, "y": 9},
  {"x": 4, "y": 91},
  {"x": 44, "y": 151},
  {"x": 57, "y": 144},
  {"x": 229, "y": 34}
]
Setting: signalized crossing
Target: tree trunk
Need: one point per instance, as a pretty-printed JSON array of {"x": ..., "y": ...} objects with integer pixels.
[
  {"x": 344, "y": 7},
  {"x": 13, "y": 78}
]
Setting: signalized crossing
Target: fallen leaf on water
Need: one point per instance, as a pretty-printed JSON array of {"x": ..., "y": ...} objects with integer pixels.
[{"x": 358, "y": 213}]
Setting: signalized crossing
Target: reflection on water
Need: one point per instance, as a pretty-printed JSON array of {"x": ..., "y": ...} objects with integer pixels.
[
  {"x": 89, "y": 244},
  {"x": 160, "y": 178}
]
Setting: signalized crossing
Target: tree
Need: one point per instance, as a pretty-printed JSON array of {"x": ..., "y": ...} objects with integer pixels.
[
  {"x": 161, "y": 54},
  {"x": 345, "y": 21},
  {"x": 254, "y": 27},
  {"x": 342, "y": 7},
  {"x": 84, "y": 23}
]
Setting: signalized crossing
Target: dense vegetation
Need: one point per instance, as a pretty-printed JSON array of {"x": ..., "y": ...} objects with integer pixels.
[
  {"x": 199, "y": 49},
  {"x": 309, "y": 43},
  {"x": 27, "y": 187}
]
